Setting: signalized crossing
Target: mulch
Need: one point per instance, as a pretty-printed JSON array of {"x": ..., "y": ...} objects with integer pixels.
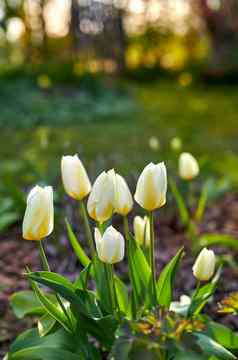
[{"x": 16, "y": 253}]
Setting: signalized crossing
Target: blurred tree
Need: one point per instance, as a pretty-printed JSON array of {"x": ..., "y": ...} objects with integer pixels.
[
  {"x": 74, "y": 27},
  {"x": 221, "y": 19}
]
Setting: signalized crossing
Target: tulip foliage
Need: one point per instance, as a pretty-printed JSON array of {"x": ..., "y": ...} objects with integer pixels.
[{"x": 100, "y": 316}]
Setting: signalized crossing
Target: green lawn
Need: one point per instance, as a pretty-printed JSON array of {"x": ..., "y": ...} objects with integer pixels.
[{"x": 113, "y": 127}]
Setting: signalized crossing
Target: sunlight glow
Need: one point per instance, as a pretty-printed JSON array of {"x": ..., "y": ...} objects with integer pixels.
[
  {"x": 15, "y": 29},
  {"x": 57, "y": 17},
  {"x": 214, "y": 4}
]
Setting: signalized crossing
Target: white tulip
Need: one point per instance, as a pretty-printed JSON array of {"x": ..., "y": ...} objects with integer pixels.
[
  {"x": 188, "y": 166},
  {"x": 39, "y": 215},
  {"x": 152, "y": 187},
  {"x": 101, "y": 199},
  {"x": 123, "y": 201},
  {"x": 142, "y": 230},
  {"x": 110, "y": 246},
  {"x": 75, "y": 178},
  {"x": 204, "y": 266}
]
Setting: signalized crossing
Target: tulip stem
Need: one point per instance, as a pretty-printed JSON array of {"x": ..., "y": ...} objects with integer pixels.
[
  {"x": 46, "y": 267},
  {"x": 43, "y": 257},
  {"x": 127, "y": 236},
  {"x": 87, "y": 228},
  {"x": 196, "y": 290},
  {"x": 115, "y": 293},
  {"x": 152, "y": 256},
  {"x": 108, "y": 274}
]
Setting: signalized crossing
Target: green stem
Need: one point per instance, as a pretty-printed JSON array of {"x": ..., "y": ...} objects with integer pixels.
[
  {"x": 127, "y": 236},
  {"x": 46, "y": 267},
  {"x": 196, "y": 290},
  {"x": 87, "y": 228},
  {"x": 43, "y": 257},
  {"x": 152, "y": 256},
  {"x": 115, "y": 294},
  {"x": 109, "y": 285}
]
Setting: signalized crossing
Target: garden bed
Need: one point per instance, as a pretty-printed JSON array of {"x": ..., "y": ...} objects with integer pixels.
[{"x": 16, "y": 253}]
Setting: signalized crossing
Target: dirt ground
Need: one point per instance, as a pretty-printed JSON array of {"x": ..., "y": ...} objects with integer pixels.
[{"x": 16, "y": 253}]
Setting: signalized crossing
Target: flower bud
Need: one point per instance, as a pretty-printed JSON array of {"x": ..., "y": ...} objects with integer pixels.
[
  {"x": 204, "y": 266},
  {"x": 123, "y": 201},
  {"x": 101, "y": 199},
  {"x": 188, "y": 166},
  {"x": 110, "y": 246},
  {"x": 39, "y": 215},
  {"x": 141, "y": 227},
  {"x": 75, "y": 178},
  {"x": 152, "y": 187},
  {"x": 176, "y": 143}
]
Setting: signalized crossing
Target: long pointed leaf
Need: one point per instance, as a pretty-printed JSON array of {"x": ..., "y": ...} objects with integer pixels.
[
  {"x": 52, "y": 309},
  {"x": 83, "y": 258},
  {"x": 166, "y": 280},
  {"x": 183, "y": 211}
]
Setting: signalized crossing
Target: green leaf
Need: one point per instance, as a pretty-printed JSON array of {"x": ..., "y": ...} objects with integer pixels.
[
  {"x": 90, "y": 303},
  {"x": 199, "y": 301},
  {"x": 121, "y": 349},
  {"x": 44, "y": 353},
  {"x": 26, "y": 303},
  {"x": 165, "y": 283},
  {"x": 51, "y": 308},
  {"x": 218, "y": 239},
  {"x": 79, "y": 252},
  {"x": 201, "y": 296},
  {"x": 82, "y": 281},
  {"x": 223, "y": 335},
  {"x": 181, "y": 355},
  {"x": 140, "y": 273},
  {"x": 102, "y": 285},
  {"x": 56, "y": 346},
  {"x": 211, "y": 347},
  {"x": 46, "y": 324},
  {"x": 8, "y": 219},
  {"x": 64, "y": 288},
  {"x": 49, "y": 277},
  {"x": 122, "y": 296},
  {"x": 202, "y": 202},
  {"x": 103, "y": 330},
  {"x": 183, "y": 211}
]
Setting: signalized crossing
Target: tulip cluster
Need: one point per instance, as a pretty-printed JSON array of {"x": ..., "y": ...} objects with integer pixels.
[
  {"x": 108, "y": 195},
  {"x": 113, "y": 303}
]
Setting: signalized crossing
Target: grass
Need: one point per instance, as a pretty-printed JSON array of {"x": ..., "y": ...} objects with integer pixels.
[{"x": 112, "y": 126}]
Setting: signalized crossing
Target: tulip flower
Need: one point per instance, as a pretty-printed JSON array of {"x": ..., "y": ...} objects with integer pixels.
[
  {"x": 75, "y": 178},
  {"x": 188, "y": 166},
  {"x": 110, "y": 246},
  {"x": 101, "y": 199},
  {"x": 142, "y": 230},
  {"x": 39, "y": 216},
  {"x": 123, "y": 201},
  {"x": 152, "y": 187},
  {"x": 204, "y": 266}
]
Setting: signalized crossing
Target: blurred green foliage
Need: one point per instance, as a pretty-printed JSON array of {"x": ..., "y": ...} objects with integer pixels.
[{"x": 107, "y": 124}]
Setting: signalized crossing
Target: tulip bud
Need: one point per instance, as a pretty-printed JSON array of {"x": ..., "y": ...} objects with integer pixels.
[
  {"x": 152, "y": 187},
  {"x": 75, "y": 178},
  {"x": 142, "y": 230},
  {"x": 101, "y": 199},
  {"x": 176, "y": 143},
  {"x": 110, "y": 246},
  {"x": 204, "y": 266},
  {"x": 39, "y": 216},
  {"x": 188, "y": 166},
  {"x": 123, "y": 201}
]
